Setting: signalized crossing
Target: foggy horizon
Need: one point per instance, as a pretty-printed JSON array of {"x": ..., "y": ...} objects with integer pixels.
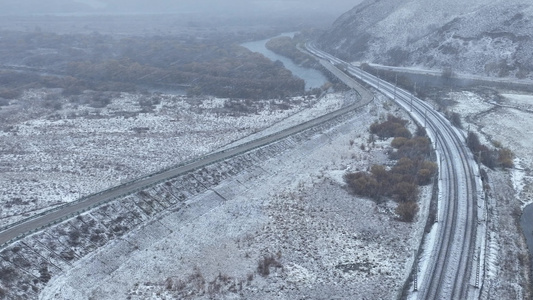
[{"x": 254, "y": 7}]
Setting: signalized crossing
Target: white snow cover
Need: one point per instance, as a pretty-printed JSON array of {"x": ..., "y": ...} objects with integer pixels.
[
  {"x": 50, "y": 158},
  {"x": 475, "y": 37},
  {"x": 508, "y": 121},
  {"x": 289, "y": 207}
]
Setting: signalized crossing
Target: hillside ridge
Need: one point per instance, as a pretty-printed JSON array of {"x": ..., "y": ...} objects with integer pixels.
[{"x": 493, "y": 38}]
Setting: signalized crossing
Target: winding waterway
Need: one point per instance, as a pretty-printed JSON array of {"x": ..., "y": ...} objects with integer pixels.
[{"x": 313, "y": 78}]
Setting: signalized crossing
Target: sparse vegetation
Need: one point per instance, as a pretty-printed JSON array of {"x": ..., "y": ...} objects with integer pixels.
[
  {"x": 402, "y": 180},
  {"x": 7, "y": 275},
  {"x": 492, "y": 158},
  {"x": 267, "y": 262},
  {"x": 455, "y": 119},
  {"x": 196, "y": 285},
  {"x": 393, "y": 127},
  {"x": 505, "y": 158}
]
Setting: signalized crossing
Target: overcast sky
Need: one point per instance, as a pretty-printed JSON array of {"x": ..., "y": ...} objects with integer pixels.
[
  {"x": 150, "y": 6},
  {"x": 339, "y": 5}
]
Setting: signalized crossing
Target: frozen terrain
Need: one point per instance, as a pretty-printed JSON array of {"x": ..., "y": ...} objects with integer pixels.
[
  {"x": 503, "y": 117},
  {"x": 485, "y": 37},
  {"x": 289, "y": 212},
  {"x": 50, "y": 157}
]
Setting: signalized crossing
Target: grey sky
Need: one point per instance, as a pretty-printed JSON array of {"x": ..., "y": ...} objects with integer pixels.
[
  {"x": 341, "y": 5},
  {"x": 210, "y": 6}
]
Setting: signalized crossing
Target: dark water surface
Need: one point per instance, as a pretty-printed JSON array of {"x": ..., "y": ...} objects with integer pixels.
[{"x": 313, "y": 78}]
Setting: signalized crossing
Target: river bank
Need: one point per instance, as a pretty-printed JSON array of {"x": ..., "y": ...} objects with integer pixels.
[{"x": 313, "y": 78}]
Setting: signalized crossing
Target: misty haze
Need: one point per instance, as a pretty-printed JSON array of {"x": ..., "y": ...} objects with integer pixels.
[{"x": 265, "y": 149}]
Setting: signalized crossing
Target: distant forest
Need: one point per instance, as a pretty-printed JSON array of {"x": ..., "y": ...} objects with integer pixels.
[{"x": 100, "y": 62}]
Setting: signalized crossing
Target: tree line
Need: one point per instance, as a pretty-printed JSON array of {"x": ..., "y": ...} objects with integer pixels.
[{"x": 216, "y": 67}]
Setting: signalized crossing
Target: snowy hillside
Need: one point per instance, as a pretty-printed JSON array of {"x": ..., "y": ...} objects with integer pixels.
[{"x": 479, "y": 36}]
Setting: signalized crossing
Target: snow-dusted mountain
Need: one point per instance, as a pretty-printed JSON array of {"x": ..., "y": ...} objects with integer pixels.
[{"x": 492, "y": 37}]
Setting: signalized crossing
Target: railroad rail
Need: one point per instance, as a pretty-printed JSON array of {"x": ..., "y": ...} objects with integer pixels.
[{"x": 447, "y": 273}]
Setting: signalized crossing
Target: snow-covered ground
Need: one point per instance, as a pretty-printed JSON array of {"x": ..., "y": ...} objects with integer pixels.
[
  {"x": 480, "y": 37},
  {"x": 49, "y": 157},
  {"x": 291, "y": 209},
  {"x": 507, "y": 120}
]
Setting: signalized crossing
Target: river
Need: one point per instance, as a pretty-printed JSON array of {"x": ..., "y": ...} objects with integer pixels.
[{"x": 313, "y": 78}]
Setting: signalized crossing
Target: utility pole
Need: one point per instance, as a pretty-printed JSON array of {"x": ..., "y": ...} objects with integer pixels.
[
  {"x": 477, "y": 269},
  {"x": 415, "y": 281}
]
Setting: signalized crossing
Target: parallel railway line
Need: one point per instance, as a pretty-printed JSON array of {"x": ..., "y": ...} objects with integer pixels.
[
  {"x": 448, "y": 271},
  {"x": 450, "y": 264}
]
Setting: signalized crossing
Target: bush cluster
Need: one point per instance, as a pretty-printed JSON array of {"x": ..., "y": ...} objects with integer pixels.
[
  {"x": 392, "y": 127},
  {"x": 455, "y": 119},
  {"x": 267, "y": 262},
  {"x": 413, "y": 148},
  {"x": 492, "y": 158},
  {"x": 401, "y": 181}
]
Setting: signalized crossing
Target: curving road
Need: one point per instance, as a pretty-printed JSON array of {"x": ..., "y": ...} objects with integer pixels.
[
  {"x": 18, "y": 230},
  {"x": 449, "y": 264}
]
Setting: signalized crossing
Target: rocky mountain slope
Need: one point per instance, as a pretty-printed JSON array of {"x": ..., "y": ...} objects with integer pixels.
[{"x": 487, "y": 37}]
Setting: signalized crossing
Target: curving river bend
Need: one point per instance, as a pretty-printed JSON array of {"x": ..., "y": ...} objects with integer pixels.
[{"x": 313, "y": 78}]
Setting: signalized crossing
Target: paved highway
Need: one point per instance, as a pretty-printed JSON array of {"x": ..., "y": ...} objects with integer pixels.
[
  {"x": 450, "y": 266},
  {"x": 30, "y": 225}
]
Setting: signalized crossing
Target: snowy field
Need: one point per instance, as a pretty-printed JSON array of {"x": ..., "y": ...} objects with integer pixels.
[
  {"x": 506, "y": 118},
  {"x": 290, "y": 210},
  {"x": 48, "y": 158}
]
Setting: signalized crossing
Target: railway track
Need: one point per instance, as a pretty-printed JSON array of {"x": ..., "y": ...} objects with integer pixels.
[{"x": 448, "y": 270}]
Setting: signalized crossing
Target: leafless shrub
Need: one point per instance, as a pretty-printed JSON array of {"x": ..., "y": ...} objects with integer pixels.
[
  {"x": 407, "y": 210},
  {"x": 264, "y": 264},
  {"x": 7, "y": 275},
  {"x": 455, "y": 119},
  {"x": 45, "y": 275}
]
